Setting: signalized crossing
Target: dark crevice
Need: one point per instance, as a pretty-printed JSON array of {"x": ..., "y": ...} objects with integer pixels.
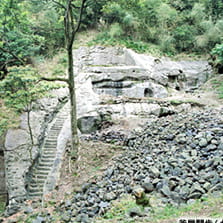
[{"x": 127, "y": 78}]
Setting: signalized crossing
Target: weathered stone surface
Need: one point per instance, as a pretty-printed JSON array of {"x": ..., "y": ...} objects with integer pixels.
[
  {"x": 2, "y": 177},
  {"x": 89, "y": 124},
  {"x": 130, "y": 109},
  {"x": 117, "y": 71}
]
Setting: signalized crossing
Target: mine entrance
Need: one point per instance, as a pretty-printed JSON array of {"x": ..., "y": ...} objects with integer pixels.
[{"x": 148, "y": 93}]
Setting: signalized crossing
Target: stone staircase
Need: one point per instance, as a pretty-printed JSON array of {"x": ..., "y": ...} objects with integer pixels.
[{"x": 45, "y": 163}]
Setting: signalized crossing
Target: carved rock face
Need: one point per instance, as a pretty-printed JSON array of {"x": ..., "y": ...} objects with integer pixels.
[{"x": 122, "y": 72}]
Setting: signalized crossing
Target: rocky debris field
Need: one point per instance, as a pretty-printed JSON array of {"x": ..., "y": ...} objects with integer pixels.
[
  {"x": 110, "y": 136},
  {"x": 179, "y": 156}
]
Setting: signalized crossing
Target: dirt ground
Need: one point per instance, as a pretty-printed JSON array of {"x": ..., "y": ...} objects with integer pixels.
[{"x": 93, "y": 158}]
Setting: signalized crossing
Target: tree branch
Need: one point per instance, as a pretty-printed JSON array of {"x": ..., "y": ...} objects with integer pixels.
[
  {"x": 11, "y": 53},
  {"x": 54, "y": 79},
  {"x": 74, "y": 6},
  {"x": 58, "y": 3},
  {"x": 74, "y": 31}
]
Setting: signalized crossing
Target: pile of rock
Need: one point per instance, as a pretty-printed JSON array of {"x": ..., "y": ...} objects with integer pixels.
[
  {"x": 178, "y": 156},
  {"x": 107, "y": 136}
]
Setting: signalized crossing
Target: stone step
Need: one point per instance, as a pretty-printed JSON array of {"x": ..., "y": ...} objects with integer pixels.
[
  {"x": 48, "y": 156},
  {"x": 50, "y": 145},
  {"x": 37, "y": 181},
  {"x": 49, "y": 149},
  {"x": 52, "y": 137},
  {"x": 46, "y": 165},
  {"x": 32, "y": 191},
  {"x": 57, "y": 125},
  {"x": 50, "y": 141},
  {"x": 58, "y": 122},
  {"x": 35, "y": 189},
  {"x": 34, "y": 185},
  {"x": 40, "y": 172},
  {"x": 42, "y": 160},
  {"x": 54, "y": 132},
  {"x": 49, "y": 152},
  {"x": 43, "y": 168},
  {"x": 40, "y": 176},
  {"x": 55, "y": 128},
  {"x": 36, "y": 194}
]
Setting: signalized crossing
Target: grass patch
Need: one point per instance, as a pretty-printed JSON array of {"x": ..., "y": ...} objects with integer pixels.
[
  {"x": 118, "y": 211},
  {"x": 103, "y": 38},
  {"x": 209, "y": 207},
  {"x": 217, "y": 84},
  {"x": 2, "y": 207}
]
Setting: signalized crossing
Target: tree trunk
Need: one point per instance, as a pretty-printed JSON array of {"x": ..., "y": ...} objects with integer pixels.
[
  {"x": 31, "y": 134},
  {"x": 73, "y": 111},
  {"x": 29, "y": 126}
]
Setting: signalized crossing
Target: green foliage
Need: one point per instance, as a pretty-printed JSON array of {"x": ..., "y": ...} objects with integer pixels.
[
  {"x": 18, "y": 91},
  {"x": 8, "y": 118},
  {"x": 218, "y": 86},
  {"x": 104, "y": 38},
  {"x": 175, "y": 26},
  {"x": 115, "y": 30},
  {"x": 22, "y": 87},
  {"x": 120, "y": 209},
  {"x": 47, "y": 20},
  {"x": 210, "y": 205},
  {"x": 2, "y": 207},
  {"x": 184, "y": 38},
  {"x": 29, "y": 28},
  {"x": 214, "y": 9},
  {"x": 16, "y": 35},
  {"x": 167, "y": 15},
  {"x": 218, "y": 53},
  {"x": 217, "y": 59},
  {"x": 167, "y": 45}
]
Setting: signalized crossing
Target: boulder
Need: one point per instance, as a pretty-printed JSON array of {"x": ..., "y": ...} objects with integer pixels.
[{"x": 89, "y": 123}]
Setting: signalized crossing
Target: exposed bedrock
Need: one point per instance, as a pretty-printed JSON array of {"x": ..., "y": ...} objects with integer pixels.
[{"x": 117, "y": 71}]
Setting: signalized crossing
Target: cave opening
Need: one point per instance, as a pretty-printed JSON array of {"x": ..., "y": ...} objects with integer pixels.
[{"x": 148, "y": 92}]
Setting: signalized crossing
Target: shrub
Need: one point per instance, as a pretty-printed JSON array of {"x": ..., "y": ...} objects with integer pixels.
[
  {"x": 184, "y": 37},
  {"x": 217, "y": 57},
  {"x": 115, "y": 30}
]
